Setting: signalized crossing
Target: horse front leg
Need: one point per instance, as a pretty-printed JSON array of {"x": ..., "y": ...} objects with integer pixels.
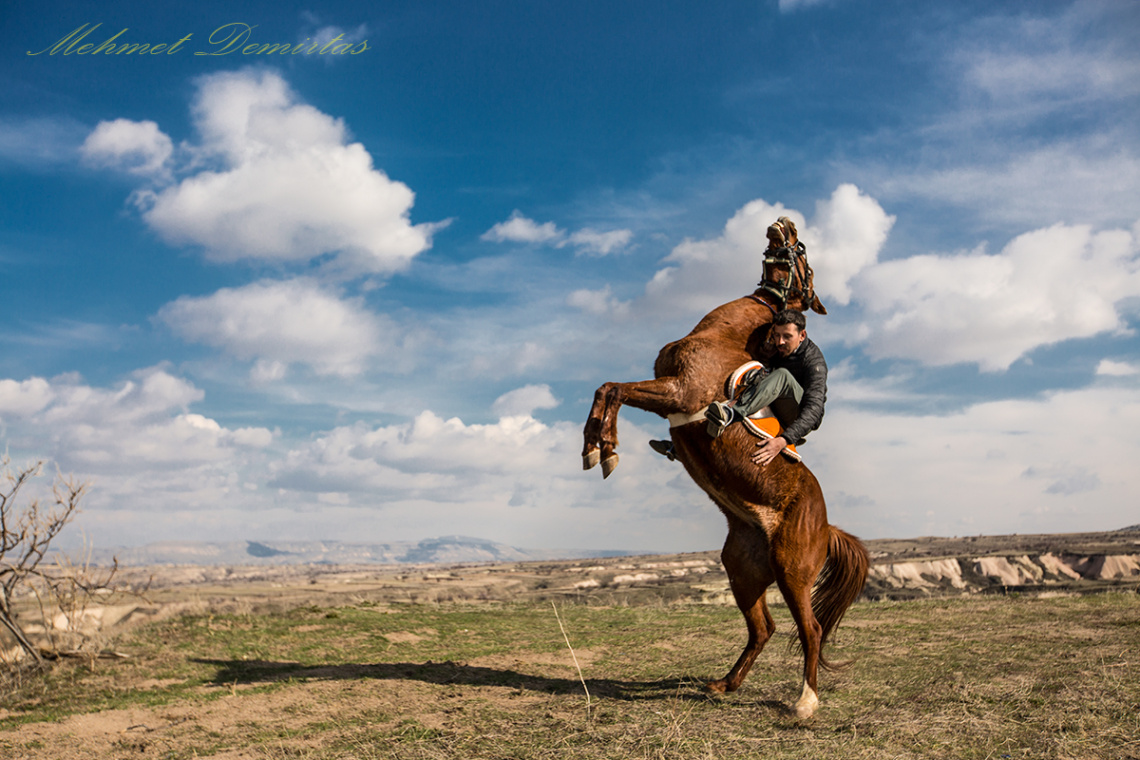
[
  {"x": 592, "y": 435},
  {"x": 662, "y": 396}
]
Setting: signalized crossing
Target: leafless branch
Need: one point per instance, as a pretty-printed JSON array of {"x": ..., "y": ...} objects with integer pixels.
[{"x": 26, "y": 536}]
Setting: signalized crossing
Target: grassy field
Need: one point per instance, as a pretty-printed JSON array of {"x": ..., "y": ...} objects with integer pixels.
[{"x": 983, "y": 677}]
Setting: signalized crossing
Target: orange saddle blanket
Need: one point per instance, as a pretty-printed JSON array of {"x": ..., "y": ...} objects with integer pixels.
[{"x": 762, "y": 424}]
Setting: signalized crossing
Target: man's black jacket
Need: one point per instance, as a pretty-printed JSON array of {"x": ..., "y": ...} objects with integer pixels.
[{"x": 809, "y": 369}]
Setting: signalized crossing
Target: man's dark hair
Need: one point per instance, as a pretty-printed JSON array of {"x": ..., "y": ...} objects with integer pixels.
[{"x": 790, "y": 317}]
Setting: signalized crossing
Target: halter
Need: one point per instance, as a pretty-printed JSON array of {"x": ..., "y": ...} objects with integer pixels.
[{"x": 798, "y": 280}]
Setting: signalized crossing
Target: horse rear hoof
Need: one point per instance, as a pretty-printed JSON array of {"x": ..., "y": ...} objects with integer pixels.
[
  {"x": 591, "y": 458},
  {"x": 609, "y": 466},
  {"x": 807, "y": 704}
]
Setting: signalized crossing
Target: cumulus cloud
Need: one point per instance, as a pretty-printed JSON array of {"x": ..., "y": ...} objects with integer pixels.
[
  {"x": 315, "y": 31},
  {"x": 141, "y": 424},
  {"x": 591, "y": 241},
  {"x": 1044, "y": 287},
  {"x": 704, "y": 272},
  {"x": 24, "y": 397},
  {"x": 1113, "y": 368},
  {"x": 271, "y": 179},
  {"x": 163, "y": 469},
  {"x": 1012, "y": 465},
  {"x": 598, "y": 302},
  {"x": 521, "y": 475},
  {"x": 523, "y": 401},
  {"x": 138, "y": 147},
  {"x": 844, "y": 238},
  {"x": 521, "y": 229},
  {"x": 278, "y": 323}
]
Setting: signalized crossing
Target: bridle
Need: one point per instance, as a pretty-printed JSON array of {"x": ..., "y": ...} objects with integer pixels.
[{"x": 798, "y": 280}]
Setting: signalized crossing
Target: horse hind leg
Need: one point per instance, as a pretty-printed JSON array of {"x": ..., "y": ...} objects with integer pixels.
[
  {"x": 797, "y": 594},
  {"x": 749, "y": 577}
]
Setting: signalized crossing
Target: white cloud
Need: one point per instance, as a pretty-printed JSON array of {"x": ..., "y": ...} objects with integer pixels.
[
  {"x": 1044, "y": 287},
  {"x": 327, "y": 34},
  {"x": 1078, "y": 180},
  {"x": 711, "y": 272},
  {"x": 520, "y": 229},
  {"x": 790, "y": 6},
  {"x": 156, "y": 470},
  {"x": 41, "y": 142},
  {"x": 1065, "y": 74},
  {"x": 122, "y": 433},
  {"x": 592, "y": 241},
  {"x": 315, "y": 31},
  {"x": 1039, "y": 129},
  {"x": 519, "y": 475},
  {"x": 1113, "y": 368},
  {"x": 842, "y": 240},
  {"x": 1058, "y": 463},
  {"x": 284, "y": 184},
  {"x": 523, "y": 401},
  {"x": 25, "y": 397},
  {"x": 283, "y": 323},
  {"x": 1057, "y": 60},
  {"x": 598, "y": 302},
  {"x": 845, "y": 237},
  {"x": 138, "y": 147}
]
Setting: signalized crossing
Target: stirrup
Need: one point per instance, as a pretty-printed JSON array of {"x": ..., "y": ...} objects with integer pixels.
[
  {"x": 735, "y": 383},
  {"x": 719, "y": 415}
]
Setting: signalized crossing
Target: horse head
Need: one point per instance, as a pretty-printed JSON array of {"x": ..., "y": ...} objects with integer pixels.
[{"x": 787, "y": 275}]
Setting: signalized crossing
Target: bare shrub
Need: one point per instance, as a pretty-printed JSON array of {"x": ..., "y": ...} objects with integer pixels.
[{"x": 60, "y": 589}]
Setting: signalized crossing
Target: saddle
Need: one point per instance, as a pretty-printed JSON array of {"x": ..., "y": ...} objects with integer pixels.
[{"x": 762, "y": 424}]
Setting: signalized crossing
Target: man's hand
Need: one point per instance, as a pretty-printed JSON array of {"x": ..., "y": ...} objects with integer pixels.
[{"x": 768, "y": 450}]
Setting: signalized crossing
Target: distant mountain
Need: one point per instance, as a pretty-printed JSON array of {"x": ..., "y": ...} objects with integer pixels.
[{"x": 441, "y": 550}]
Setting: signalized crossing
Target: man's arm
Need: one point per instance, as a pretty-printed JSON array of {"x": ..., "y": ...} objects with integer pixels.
[{"x": 814, "y": 398}]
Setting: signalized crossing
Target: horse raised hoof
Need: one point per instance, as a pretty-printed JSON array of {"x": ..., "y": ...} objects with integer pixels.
[
  {"x": 609, "y": 465},
  {"x": 591, "y": 458}
]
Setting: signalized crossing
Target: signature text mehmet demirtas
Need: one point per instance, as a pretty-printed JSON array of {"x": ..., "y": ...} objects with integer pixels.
[{"x": 225, "y": 40}]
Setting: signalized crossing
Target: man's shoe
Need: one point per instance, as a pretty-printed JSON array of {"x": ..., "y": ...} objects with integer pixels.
[
  {"x": 664, "y": 448},
  {"x": 719, "y": 416}
]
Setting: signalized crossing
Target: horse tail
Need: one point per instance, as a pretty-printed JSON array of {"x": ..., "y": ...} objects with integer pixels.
[{"x": 839, "y": 584}]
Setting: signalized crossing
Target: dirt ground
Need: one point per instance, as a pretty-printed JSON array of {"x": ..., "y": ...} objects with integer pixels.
[{"x": 472, "y": 661}]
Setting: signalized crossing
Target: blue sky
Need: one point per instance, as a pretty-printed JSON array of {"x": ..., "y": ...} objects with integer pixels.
[{"x": 367, "y": 294}]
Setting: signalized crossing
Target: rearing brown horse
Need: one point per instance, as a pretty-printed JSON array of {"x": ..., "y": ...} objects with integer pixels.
[{"x": 777, "y": 520}]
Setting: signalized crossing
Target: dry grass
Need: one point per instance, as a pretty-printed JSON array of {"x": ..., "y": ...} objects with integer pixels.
[{"x": 953, "y": 678}]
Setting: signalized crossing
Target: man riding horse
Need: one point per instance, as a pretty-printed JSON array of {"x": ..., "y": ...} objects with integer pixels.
[
  {"x": 778, "y": 531},
  {"x": 793, "y": 379}
]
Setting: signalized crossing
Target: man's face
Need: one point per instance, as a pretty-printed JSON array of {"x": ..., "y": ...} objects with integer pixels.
[{"x": 787, "y": 338}]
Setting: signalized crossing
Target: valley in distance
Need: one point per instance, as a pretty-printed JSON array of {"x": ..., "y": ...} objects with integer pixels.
[{"x": 458, "y": 568}]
